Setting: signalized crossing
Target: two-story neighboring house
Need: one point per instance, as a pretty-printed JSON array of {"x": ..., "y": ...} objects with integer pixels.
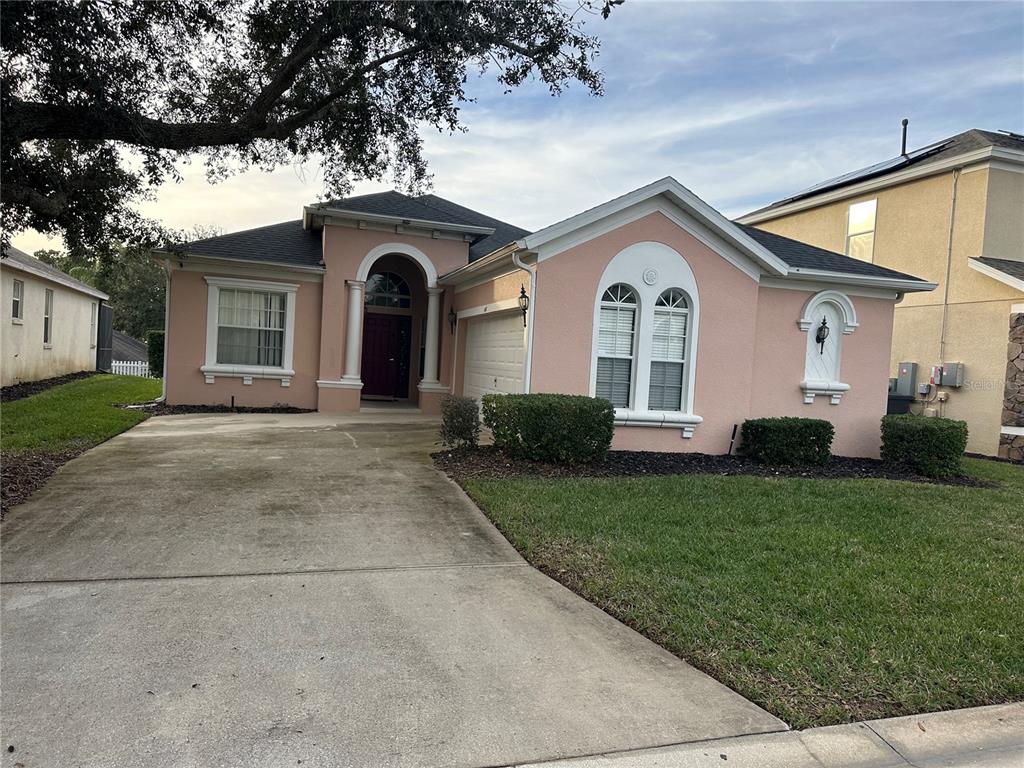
[{"x": 952, "y": 213}]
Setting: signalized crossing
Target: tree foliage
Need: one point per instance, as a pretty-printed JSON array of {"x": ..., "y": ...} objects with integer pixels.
[{"x": 247, "y": 83}]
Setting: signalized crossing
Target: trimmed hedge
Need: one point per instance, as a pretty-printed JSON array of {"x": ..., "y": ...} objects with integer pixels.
[
  {"x": 155, "y": 347},
  {"x": 460, "y": 422},
  {"x": 929, "y": 446},
  {"x": 563, "y": 429},
  {"x": 788, "y": 440}
]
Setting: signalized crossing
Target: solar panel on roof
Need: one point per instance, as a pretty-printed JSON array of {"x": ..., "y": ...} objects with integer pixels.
[{"x": 873, "y": 170}]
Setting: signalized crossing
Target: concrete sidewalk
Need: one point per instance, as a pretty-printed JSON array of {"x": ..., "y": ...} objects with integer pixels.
[{"x": 984, "y": 737}]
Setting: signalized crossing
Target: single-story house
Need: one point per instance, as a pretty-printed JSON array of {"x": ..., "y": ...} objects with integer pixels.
[
  {"x": 688, "y": 322},
  {"x": 51, "y": 320}
]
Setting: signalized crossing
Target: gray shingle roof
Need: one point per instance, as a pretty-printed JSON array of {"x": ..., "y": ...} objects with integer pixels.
[
  {"x": 961, "y": 144},
  {"x": 1014, "y": 269},
  {"x": 19, "y": 259},
  {"x": 803, "y": 256},
  {"x": 289, "y": 243},
  {"x": 285, "y": 243},
  {"x": 124, "y": 347}
]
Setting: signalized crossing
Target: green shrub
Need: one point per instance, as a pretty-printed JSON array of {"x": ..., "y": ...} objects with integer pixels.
[
  {"x": 155, "y": 345},
  {"x": 460, "y": 422},
  {"x": 564, "y": 429},
  {"x": 929, "y": 446},
  {"x": 788, "y": 440}
]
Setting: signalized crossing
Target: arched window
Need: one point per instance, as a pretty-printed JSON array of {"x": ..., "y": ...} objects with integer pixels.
[
  {"x": 668, "y": 351},
  {"x": 386, "y": 289},
  {"x": 616, "y": 346}
]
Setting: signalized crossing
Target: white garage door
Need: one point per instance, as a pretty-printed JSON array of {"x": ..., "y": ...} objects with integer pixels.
[{"x": 495, "y": 354}]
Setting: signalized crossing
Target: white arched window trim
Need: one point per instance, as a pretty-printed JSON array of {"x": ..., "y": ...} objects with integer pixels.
[
  {"x": 819, "y": 379},
  {"x": 650, "y": 268}
]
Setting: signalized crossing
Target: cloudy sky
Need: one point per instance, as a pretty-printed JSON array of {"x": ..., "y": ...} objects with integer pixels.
[{"x": 743, "y": 103}]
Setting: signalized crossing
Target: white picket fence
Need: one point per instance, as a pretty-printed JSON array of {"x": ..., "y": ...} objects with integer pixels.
[{"x": 131, "y": 368}]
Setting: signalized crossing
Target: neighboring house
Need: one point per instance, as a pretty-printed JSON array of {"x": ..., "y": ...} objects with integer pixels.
[
  {"x": 128, "y": 350},
  {"x": 686, "y": 321},
  {"x": 953, "y": 213},
  {"x": 51, "y": 321}
]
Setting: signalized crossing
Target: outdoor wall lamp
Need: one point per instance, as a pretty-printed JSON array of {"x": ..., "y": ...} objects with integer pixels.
[
  {"x": 524, "y": 302},
  {"x": 453, "y": 319},
  {"x": 822, "y": 334}
]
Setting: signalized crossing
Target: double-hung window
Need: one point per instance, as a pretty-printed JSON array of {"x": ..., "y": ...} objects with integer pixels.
[
  {"x": 668, "y": 351},
  {"x": 860, "y": 230},
  {"x": 92, "y": 325},
  {"x": 47, "y": 317},
  {"x": 18, "y": 301},
  {"x": 616, "y": 345},
  {"x": 250, "y": 327}
]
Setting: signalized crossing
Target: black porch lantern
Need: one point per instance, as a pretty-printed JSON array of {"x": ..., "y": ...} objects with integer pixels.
[
  {"x": 524, "y": 302},
  {"x": 453, "y": 319},
  {"x": 822, "y": 334}
]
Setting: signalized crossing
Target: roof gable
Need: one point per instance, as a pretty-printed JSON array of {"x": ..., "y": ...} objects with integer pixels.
[
  {"x": 726, "y": 238},
  {"x": 21, "y": 261}
]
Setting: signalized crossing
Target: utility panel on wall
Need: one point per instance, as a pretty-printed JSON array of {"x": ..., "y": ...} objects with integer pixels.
[{"x": 948, "y": 375}]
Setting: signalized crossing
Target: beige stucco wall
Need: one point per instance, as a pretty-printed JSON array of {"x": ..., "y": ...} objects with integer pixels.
[
  {"x": 912, "y": 235},
  {"x": 73, "y": 339},
  {"x": 1004, "y": 219}
]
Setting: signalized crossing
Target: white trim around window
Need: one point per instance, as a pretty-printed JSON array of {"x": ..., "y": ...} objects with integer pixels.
[
  {"x": 93, "y": 317},
  {"x": 651, "y": 269},
  {"x": 47, "y": 318},
  {"x": 17, "y": 301},
  {"x": 211, "y": 369}
]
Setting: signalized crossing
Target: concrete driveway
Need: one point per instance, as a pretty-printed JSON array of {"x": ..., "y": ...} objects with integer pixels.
[{"x": 285, "y": 590}]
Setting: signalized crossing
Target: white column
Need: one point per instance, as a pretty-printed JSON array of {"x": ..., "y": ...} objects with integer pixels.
[
  {"x": 430, "y": 356},
  {"x": 354, "y": 330}
]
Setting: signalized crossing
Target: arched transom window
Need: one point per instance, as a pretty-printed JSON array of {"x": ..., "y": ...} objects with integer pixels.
[
  {"x": 668, "y": 351},
  {"x": 616, "y": 344},
  {"x": 386, "y": 289}
]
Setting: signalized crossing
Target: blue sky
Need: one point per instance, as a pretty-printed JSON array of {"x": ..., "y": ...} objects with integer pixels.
[{"x": 743, "y": 103}]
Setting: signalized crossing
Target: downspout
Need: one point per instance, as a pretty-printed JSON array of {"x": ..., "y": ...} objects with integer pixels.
[
  {"x": 949, "y": 269},
  {"x": 167, "y": 324},
  {"x": 531, "y": 315}
]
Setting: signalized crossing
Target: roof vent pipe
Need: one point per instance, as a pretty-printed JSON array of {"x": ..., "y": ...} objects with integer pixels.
[{"x": 903, "y": 144}]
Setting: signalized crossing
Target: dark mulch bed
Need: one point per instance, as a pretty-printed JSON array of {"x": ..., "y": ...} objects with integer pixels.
[
  {"x": 14, "y": 392},
  {"x": 21, "y": 475},
  {"x": 490, "y": 462},
  {"x": 162, "y": 409}
]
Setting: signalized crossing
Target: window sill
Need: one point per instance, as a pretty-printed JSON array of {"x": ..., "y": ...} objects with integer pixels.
[
  {"x": 47, "y": 346},
  {"x": 834, "y": 390},
  {"x": 247, "y": 373},
  {"x": 17, "y": 321},
  {"x": 686, "y": 422}
]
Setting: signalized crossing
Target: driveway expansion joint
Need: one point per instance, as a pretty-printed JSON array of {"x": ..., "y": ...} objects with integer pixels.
[{"x": 245, "y": 575}]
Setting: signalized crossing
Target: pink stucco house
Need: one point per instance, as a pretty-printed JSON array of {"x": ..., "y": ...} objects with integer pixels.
[{"x": 687, "y": 322}]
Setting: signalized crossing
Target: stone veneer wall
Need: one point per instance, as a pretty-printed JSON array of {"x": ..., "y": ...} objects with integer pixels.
[{"x": 1012, "y": 446}]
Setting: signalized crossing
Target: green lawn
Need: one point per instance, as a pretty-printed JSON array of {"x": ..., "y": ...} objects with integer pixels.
[
  {"x": 73, "y": 416},
  {"x": 824, "y": 601}
]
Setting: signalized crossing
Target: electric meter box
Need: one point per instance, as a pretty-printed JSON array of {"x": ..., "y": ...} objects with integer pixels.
[
  {"x": 906, "y": 378},
  {"x": 952, "y": 374}
]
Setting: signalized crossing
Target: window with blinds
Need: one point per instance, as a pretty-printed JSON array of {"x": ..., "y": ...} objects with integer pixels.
[
  {"x": 668, "y": 351},
  {"x": 616, "y": 344},
  {"x": 250, "y": 327}
]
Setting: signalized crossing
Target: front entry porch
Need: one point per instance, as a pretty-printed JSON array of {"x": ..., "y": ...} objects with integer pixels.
[{"x": 392, "y": 336}]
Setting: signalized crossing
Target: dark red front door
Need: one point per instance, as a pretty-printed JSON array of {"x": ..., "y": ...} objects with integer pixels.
[{"x": 385, "y": 369}]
